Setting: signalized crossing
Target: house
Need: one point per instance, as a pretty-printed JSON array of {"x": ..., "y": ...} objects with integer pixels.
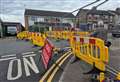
[
  {"x": 49, "y": 20},
  {"x": 94, "y": 18},
  {"x": 11, "y": 28},
  {"x": 117, "y": 16}
]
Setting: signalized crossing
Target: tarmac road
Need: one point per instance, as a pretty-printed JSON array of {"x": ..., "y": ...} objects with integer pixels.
[
  {"x": 20, "y": 61},
  {"x": 14, "y": 58}
]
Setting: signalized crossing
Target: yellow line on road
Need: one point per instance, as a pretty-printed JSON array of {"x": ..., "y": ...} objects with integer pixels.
[
  {"x": 47, "y": 73},
  {"x": 57, "y": 68}
]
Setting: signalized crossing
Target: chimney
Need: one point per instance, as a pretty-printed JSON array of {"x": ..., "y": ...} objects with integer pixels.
[
  {"x": 118, "y": 10},
  {"x": 94, "y": 8}
]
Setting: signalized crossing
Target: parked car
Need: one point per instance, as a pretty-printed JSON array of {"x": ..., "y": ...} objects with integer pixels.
[{"x": 116, "y": 31}]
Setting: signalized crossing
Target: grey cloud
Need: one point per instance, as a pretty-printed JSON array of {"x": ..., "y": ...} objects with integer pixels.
[{"x": 17, "y": 7}]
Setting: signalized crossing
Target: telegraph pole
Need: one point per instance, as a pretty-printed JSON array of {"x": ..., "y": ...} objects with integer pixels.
[
  {"x": 95, "y": 8},
  {"x": 81, "y": 8}
]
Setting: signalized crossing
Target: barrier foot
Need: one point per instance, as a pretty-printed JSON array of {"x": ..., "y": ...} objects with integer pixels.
[
  {"x": 26, "y": 39},
  {"x": 34, "y": 46},
  {"x": 94, "y": 70}
]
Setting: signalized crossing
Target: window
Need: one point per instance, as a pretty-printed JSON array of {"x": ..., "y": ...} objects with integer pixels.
[
  {"x": 57, "y": 20},
  {"x": 40, "y": 19},
  {"x": 33, "y": 18},
  {"x": 46, "y": 19},
  {"x": 96, "y": 17},
  {"x": 106, "y": 17},
  {"x": 111, "y": 17},
  {"x": 65, "y": 20},
  {"x": 89, "y": 17}
]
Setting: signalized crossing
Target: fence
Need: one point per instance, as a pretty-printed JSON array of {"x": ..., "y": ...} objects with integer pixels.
[
  {"x": 91, "y": 50},
  {"x": 36, "y": 38},
  {"x": 65, "y": 34}
]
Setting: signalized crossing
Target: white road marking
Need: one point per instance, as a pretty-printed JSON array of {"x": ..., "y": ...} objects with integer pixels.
[
  {"x": 9, "y": 55},
  {"x": 10, "y": 70},
  {"x": 29, "y": 55},
  {"x": 7, "y": 58},
  {"x": 30, "y": 64}
]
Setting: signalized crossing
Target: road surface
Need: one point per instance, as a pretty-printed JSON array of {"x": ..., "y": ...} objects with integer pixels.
[{"x": 20, "y": 61}]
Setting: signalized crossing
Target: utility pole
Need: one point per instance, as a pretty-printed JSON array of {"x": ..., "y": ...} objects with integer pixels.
[
  {"x": 85, "y": 6},
  {"x": 95, "y": 8},
  {"x": 81, "y": 8}
]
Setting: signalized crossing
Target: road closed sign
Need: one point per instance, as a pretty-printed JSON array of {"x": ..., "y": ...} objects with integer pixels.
[{"x": 47, "y": 53}]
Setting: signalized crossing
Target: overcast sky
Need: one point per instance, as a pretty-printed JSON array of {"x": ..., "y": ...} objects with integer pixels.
[{"x": 13, "y": 10}]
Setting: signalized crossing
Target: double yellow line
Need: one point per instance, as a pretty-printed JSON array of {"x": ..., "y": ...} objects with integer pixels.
[{"x": 55, "y": 68}]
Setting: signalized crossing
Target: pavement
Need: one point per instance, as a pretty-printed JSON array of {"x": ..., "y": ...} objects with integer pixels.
[{"x": 74, "y": 72}]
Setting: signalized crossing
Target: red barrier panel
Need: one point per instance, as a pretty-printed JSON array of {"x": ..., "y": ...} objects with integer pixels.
[{"x": 47, "y": 53}]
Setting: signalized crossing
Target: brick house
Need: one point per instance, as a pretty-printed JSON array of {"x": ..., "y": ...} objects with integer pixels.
[
  {"x": 117, "y": 16},
  {"x": 95, "y": 18},
  {"x": 50, "y": 20}
]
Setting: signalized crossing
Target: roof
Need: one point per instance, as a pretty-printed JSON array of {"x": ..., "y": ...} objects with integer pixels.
[
  {"x": 11, "y": 23},
  {"x": 48, "y": 13},
  {"x": 96, "y": 12},
  {"x": 118, "y": 11},
  {"x": 115, "y": 12},
  {"x": 85, "y": 10},
  {"x": 99, "y": 12}
]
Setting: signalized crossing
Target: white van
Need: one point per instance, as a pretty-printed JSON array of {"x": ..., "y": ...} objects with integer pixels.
[{"x": 11, "y": 30}]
